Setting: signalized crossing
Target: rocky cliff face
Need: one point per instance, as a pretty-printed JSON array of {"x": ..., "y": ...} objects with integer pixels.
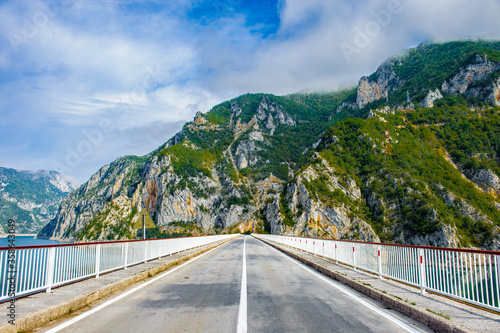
[
  {"x": 475, "y": 80},
  {"x": 209, "y": 175},
  {"x": 82, "y": 205},
  {"x": 31, "y": 198},
  {"x": 486, "y": 179},
  {"x": 318, "y": 215},
  {"x": 477, "y": 77},
  {"x": 379, "y": 86}
]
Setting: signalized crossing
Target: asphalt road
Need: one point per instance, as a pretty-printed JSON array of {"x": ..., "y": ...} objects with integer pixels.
[{"x": 210, "y": 294}]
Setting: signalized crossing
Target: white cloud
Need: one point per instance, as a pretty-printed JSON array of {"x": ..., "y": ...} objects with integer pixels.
[
  {"x": 446, "y": 20},
  {"x": 150, "y": 70},
  {"x": 307, "y": 52}
]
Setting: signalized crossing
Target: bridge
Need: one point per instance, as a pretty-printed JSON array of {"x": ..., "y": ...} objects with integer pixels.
[{"x": 235, "y": 283}]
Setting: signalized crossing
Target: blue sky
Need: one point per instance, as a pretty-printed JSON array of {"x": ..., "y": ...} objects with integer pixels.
[{"x": 83, "y": 82}]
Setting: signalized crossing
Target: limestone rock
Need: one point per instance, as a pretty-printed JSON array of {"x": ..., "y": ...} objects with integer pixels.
[
  {"x": 464, "y": 82},
  {"x": 199, "y": 119},
  {"x": 478, "y": 69},
  {"x": 236, "y": 112},
  {"x": 432, "y": 96},
  {"x": 38, "y": 201},
  {"x": 274, "y": 114},
  {"x": 242, "y": 162},
  {"x": 385, "y": 81},
  {"x": 344, "y": 106},
  {"x": 246, "y": 152},
  {"x": 312, "y": 216},
  {"x": 484, "y": 178},
  {"x": 489, "y": 94}
]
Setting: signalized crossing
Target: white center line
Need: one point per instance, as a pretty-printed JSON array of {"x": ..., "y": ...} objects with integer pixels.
[
  {"x": 242, "y": 312},
  {"x": 350, "y": 294}
]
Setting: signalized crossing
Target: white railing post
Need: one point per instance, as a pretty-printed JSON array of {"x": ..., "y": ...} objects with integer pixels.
[
  {"x": 145, "y": 251},
  {"x": 422, "y": 271},
  {"x": 353, "y": 257},
  {"x": 336, "y": 260},
  {"x": 379, "y": 250},
  {"x": 497, "y": 275},
  {"x": 49, "y": 273},
  {"x": 97, "y": 260},
  {"x": 126, "y": 255}
]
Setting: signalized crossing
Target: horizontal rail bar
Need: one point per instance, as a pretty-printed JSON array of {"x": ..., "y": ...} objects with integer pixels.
[
  {"x": 29, "y": 269},
  {"x": 99, "y": 242}
]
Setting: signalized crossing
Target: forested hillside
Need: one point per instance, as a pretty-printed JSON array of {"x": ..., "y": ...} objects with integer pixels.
[
  {"x": 31, "y": 198},
  {"x": 434, "y": 181},
  {"x": 410, "y": 155}
]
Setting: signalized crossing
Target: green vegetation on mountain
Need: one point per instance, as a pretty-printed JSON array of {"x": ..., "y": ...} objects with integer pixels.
[
  {"x": 96, "y": 227},
  {"x": 31, "y": 198},
  {"x": 201, "y": 150},
  {"x": 471, "y": 137},
  {"x": 29, "y": 185},
  {"x": 425, "y": 67},
  {"x": 319, "y": 164},
  {"x": 115, "y": 221},
  {"x": 412, "y": 175}
]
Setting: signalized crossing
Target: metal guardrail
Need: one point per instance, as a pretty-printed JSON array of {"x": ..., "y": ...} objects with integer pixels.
[
  {"x": 29, "y": 269},
  {"x": 467, "y": 275}
]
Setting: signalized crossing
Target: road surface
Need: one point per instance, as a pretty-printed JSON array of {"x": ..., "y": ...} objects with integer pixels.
[{"x": 242, "y": 286}]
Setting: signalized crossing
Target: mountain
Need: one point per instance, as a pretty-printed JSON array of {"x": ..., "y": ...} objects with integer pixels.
[
  {"x": 209, "y": 177},
  {"x": 426, "y": 72},
  {"x": 411, "y": 155},
  {"x": 31, "y": 198}
]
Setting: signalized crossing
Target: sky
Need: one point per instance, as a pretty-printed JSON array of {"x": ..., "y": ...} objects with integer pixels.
[{"x": 83, "y": 82}]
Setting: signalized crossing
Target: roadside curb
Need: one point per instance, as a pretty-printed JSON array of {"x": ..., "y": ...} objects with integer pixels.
[
  {"x": 435, "y": 322},
  {"x": 34, "y": 320}
]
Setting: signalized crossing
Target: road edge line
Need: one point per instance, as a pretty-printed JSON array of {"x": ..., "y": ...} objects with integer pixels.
[{"x": 423, "y": 316}]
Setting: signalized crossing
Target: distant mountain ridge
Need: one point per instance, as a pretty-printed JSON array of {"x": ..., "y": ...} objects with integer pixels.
[
  {"x": 31, "y": 198},
  {"x": 411, "y": 155}
]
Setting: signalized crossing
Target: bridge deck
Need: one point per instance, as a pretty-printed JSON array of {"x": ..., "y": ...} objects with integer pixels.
[
  {"x": 206, "y": 295},
  {"x": 244, "y": 285}
]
